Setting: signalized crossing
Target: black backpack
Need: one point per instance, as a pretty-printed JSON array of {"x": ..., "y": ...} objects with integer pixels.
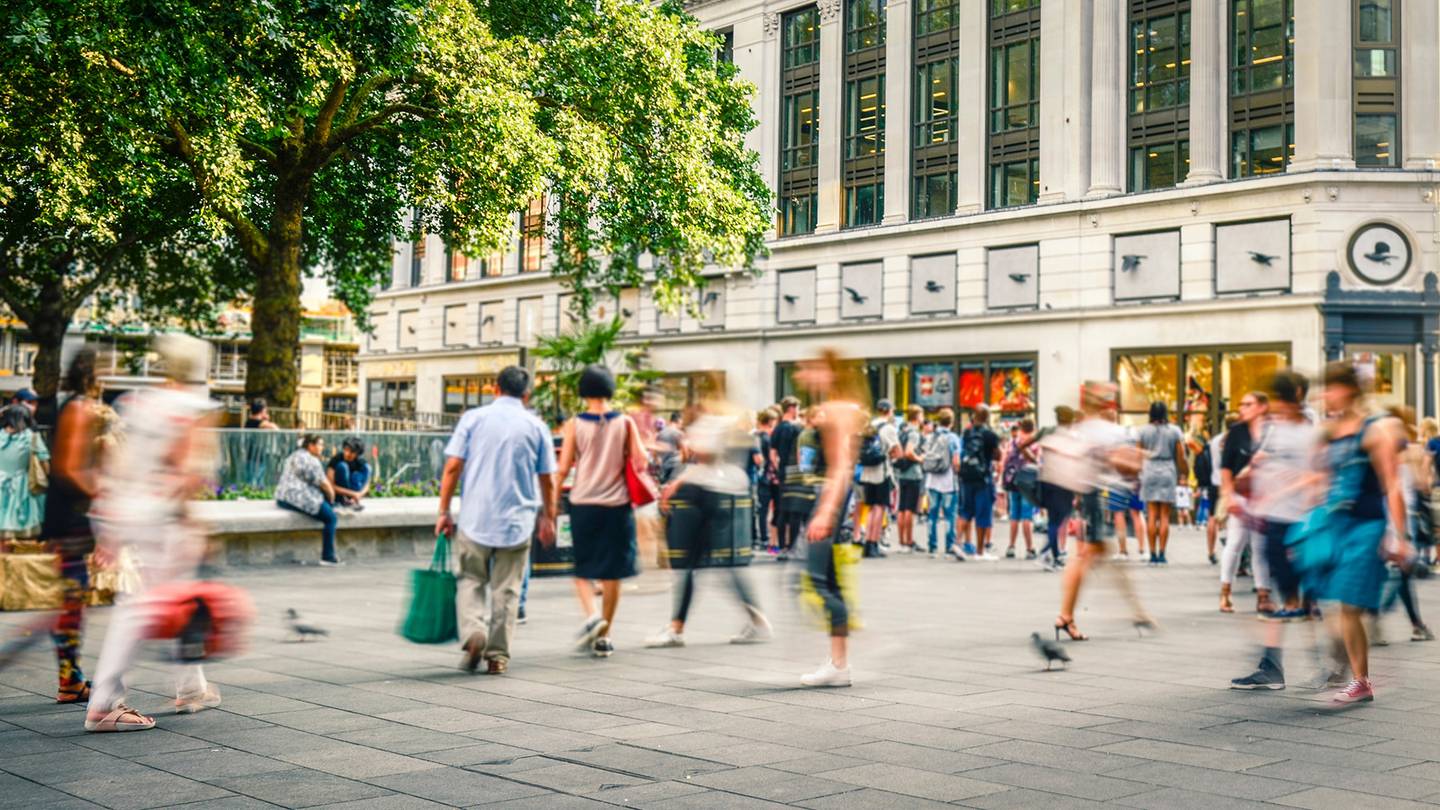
[
  {"x": 1204, "y": 466},
  {"x": 974, "y": 455},
  {"x": 872, "y": 450},
  {"x": 906, "y": 434}
]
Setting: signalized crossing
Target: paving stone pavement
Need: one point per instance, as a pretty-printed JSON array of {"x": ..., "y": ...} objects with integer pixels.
[{"x": 949, "y": 708}]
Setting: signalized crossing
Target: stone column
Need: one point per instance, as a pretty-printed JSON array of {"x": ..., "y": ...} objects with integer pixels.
[
  {"x": 1420, "y": 79},
  {"x": 1062, "y": 34},
  {"x": 1324, "y": 124},
  {"x": 831, "y": 114},
  {"x": 898, "y": 75},
  {"x": 1207, "y": 92},
  {"x": 1107, "y": 93},
  {"x": 973, "y": 109}
]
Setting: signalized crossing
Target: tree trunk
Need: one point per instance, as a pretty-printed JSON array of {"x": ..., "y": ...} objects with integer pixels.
[
  {"x": 48, "y": 330},
  {"x": 275, "y": 317}
]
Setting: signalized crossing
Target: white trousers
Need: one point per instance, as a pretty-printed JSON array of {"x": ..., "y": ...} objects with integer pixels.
[
  {"x": 1237, "y": 537},
  {"x": 164, "y": 552}
]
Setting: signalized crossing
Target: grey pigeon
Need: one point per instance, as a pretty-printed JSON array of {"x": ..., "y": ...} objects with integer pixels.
[
  {"x": 299, "y": 631},
  {"x": 1130, "y": 262},
  {"x": 1262, "y": 258},
  {"x": 1050, "y": 651}
]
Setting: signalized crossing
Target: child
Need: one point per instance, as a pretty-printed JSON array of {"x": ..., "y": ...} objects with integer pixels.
[{"x": 1183, "y": 497}]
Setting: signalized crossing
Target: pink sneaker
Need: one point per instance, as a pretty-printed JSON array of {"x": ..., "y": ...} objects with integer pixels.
[{"x": 1357, "y": 691}]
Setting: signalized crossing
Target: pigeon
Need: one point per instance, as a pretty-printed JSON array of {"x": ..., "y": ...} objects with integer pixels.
[
  {"x": 933, "y": 286},
  {"x": 1019, "y": 278},
  {"x": 300, "y": 631},
  {"x": 1130, "y": 262},
  {"x": 791, "y": 299},
  {"x": 1381, "y": 254},
  {"x": 1050, "y": 651},
  {"x": 856, "y": 296},
  {"x": 1262, "y": 258}
]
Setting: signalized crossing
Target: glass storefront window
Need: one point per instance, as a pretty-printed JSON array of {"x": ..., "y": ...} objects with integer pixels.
[
  {"x": 1012, "y": 387},
  {"x": 1243, "y": 372},
  {"x": 1385, "y": 374},
  {"x": 1207, "y": 395},
  {"x": 1199, "y": 390},
  {"x": 391, "y": 398},
  {"x": 464, "y": 393},
  {"x": 1147, "y": 378}
]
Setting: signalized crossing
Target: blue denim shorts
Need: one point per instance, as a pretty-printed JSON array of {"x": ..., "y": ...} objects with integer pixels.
[{"x": 977, "y": 503}]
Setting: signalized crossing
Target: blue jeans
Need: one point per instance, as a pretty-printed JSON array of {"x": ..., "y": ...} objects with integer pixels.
[
  {"x": 945, "y": 502},
  {"x": 327, "y": 519},
  {"x": 351, "y": 478}
]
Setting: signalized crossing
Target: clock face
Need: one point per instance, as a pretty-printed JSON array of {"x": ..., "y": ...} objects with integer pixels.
[{"x": 1379, "y": 254}]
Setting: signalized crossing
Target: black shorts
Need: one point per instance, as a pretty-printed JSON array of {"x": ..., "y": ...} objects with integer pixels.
[
  {"x": 877, "y": 494},
  {"x": 910, "y": 495}
]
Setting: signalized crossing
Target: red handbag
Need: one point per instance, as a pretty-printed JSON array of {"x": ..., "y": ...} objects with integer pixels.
[{"x": 643, "y": 489}]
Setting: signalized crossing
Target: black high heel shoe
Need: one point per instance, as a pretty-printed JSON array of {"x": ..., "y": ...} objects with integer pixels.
[
  {"x": 1068, "y": 625},
  {"x": 1145, "y": 623}
]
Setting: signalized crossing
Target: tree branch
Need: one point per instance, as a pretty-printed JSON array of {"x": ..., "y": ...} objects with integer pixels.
[
  {"x": 252, "y": 241},
  {"x": 364, "y": 125},
  {"x": 371, "y": 86},
  {"x": 320, "y": 136},
  {"x": 16, "y": 300},
  {"x": 258, "y": 150}
]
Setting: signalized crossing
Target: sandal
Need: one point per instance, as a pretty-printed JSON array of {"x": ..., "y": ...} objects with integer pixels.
[
  {"x": 73, "y": 694},
  {"x": 1068, "y": 625},
  {"x": 190, "y": 704},
  {"x": 117, "y": 720}
]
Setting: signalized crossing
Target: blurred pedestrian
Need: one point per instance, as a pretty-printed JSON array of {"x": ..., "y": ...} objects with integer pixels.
[
  {"x": 700, "y": 500},
  {"x": 166, "y": 459},
  {"x": 304, "y": 488},
  {"x": 909, "y": 476},
  {"x": 259, "y": 416},
  {"x": 74, "y": 483},
  {"x": 839, "y": 421},
  {"x": 598, "y": 444},
  {"x": 506, "y": 458},
  {"x": 792, "y": 446},
  {"x": 879, "y": 447},
  {"x": 1109, "y": 454},
  {"x": 766, "y": 481},
  {"x": 1164, "y": 468},
  {"x": 27, "y": 399},
  {"x": 1061, "y": 460},
  {"x": 1020, "y": 453}
]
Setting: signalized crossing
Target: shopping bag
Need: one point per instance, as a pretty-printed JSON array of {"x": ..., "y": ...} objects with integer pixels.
[
  {"x": 431, "y": 615},
  {"x": 209, "y": 620}
]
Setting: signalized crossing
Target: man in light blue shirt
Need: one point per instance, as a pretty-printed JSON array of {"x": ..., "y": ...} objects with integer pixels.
[{"x": 507, "y": 459}]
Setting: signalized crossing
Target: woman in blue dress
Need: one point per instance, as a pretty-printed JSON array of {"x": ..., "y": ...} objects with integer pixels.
[
  {"x": 1344, "y": 548},
  {"x": 20, "y": 510}
]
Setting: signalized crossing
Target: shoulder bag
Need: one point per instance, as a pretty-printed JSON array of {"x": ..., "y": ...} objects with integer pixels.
[{"x": 39, "y": 471}]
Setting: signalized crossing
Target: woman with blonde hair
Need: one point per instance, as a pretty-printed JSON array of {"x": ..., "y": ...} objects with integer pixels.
[{"x": 835, "y": 385}]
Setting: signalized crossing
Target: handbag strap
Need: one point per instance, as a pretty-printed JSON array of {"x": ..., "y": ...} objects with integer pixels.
[{"x": 440, "y": 560}]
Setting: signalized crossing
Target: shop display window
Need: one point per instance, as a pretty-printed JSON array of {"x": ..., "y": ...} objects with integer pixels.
[{"x": 1214, "y": 379}]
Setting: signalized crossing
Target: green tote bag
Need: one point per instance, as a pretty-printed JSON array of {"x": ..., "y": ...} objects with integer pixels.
[{"x": 431, "y": 617}]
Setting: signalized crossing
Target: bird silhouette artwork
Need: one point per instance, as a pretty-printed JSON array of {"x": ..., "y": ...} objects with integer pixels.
[
  {"x": 855, "y": 295},
  {"x": 1050, "y": 651},
  {"x": 300, "y": 631},
  {"x": 1019, "y": 278},
  {"x": 1130, "y": 262},
  {"x": 1263, "y": 259},
  {"x": 710, "y": 298},
  {"x": 933, "y": 286},
  {"x": 791, "y": 299},
  {"x": 487, "y": 320},
  {"x": 627, "y": 313},
  {"x": 1381, "y": 253}
]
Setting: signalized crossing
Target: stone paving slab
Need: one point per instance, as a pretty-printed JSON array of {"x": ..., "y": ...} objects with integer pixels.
[{"x": 949, "y": 707}]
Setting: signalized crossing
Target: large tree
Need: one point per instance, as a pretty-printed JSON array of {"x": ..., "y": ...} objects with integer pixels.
[
  {"x": 316, "y": 131},
  {"x": 88, "y": 213}
]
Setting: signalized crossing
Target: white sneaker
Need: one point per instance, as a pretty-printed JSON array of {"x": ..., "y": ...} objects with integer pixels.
[
  {"x": 827, "y": 675},
  {"x": 666, "y": 638},
  {"x": 934, "y": 555},
  {"x": 988, "y": 557},
  {"x": 756, "y": 631},
  {"x": 1121, "y": 556}
]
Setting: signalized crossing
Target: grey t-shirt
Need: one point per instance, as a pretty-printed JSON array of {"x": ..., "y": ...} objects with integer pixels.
[{"x": 1158, "y": 442}]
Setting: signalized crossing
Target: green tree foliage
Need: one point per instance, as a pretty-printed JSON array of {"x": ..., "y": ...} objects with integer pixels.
[
  {"x": 87, "y": 210},
  {"x": 313, "y": 132},
  {"x": 562, "y": 357}
]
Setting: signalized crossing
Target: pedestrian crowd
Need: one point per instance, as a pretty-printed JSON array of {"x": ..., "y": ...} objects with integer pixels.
[{"x": 1328, "y": 501}]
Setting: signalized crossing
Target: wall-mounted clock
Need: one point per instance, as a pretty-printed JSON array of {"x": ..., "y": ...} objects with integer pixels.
[{"x": 1379, "y": 253}]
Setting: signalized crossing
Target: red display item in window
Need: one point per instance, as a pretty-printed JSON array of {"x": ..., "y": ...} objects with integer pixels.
[{"x": 972, "y": 387}]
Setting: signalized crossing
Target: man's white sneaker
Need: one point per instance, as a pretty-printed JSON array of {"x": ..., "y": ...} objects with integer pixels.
[
  {"x": 827, "y": 675},
  {"x": 756, "y": 631},
  {"x": 666, "y": 638}
]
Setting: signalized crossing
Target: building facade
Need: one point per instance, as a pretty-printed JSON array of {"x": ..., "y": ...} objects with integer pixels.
[{"x": 994, "y": 200}]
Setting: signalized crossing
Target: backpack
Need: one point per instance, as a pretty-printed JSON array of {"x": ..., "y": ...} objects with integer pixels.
[
  {"x": 974, "y": 457},
  {"x": 872, "y": 450},
  {"x": 906, "y": 434},
  {"x": 1014, "y": 460},
  {"x": 937, "y": 454},
  {"x": 1204, "y": 467}
]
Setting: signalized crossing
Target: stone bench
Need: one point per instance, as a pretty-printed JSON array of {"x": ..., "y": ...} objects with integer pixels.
[{"x": 262, "y": 533}]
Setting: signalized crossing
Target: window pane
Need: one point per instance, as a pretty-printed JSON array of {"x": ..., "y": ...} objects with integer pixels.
[
  {"x": 1161, "y": 51},
  {"x": 1267, "y": 150},
  {"x": 1374, "y": 62},
  {"x": 1199, "y": 388},
  {"x": 1147, "y": 378},
  {"x": 1018, "y": 74},
  {"x": 1375, "y": 21},
  {"x": 1375, "y": 140}
]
